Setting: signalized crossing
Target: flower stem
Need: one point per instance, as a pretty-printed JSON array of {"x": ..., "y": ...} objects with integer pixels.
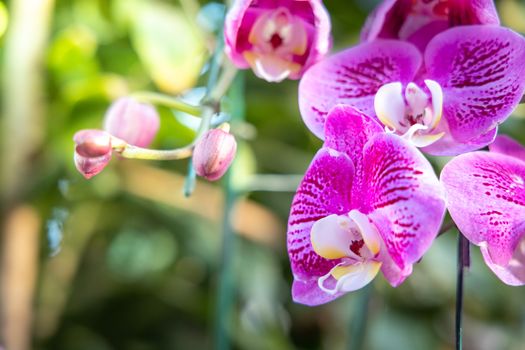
[
  {"x": 359, "y": 321},
  {"x": 167, "y": 101},
  {"x": 463, "y": 261},
  {"x": 226, "y": 297},
  {"x": 133, "y": 152}
]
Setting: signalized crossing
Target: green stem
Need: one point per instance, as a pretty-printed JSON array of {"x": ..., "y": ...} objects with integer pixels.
[
  {"x": 360, "y": 319},
  {"x": 225, "y": 297},
  {"x": 167, "y": 101},
  {"x": 463, "y": 261},
  {"x": 133, "y": 152},
  {"x": 225, "y": 289}
]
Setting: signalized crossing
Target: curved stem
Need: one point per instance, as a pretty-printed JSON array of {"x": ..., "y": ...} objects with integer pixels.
[
  {"x": 167, "y": 101},
  {"x": 463, "y": 261}
]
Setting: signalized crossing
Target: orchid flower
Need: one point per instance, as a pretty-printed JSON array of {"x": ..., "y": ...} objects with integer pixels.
[
  {"x": 277, "y": 39},
  {"x": 448, "y": 101},
  {"x": 486, "y": 199},
  {"x": 418, "y": 21},
  {"x": 368, "y": 202}
]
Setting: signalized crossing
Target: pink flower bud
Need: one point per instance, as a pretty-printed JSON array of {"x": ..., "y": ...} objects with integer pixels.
[
  {"x": 213, "y": 154},
  {"x": 277, "y": 39},
  {"x": 134, "y": 122},
  {"x": 92, "y": 151}
]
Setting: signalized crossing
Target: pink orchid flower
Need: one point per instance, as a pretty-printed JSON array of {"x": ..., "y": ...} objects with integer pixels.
[
  {"x": 369, "y": 202},
  {"x": 277, "y": 39},
  {"x": 448, "y": 101}
]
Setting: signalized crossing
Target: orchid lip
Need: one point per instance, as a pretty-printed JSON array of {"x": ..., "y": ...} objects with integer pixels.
[
  {"x": 356, "y": 242},
  {"x": 413, "y": 113}
]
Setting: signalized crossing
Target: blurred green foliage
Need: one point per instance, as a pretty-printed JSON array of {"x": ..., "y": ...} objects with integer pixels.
[{"x": 124, "y": 271}]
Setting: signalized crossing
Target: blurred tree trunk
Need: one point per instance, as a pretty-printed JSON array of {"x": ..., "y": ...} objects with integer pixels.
[{"x": 22, "y": 134}]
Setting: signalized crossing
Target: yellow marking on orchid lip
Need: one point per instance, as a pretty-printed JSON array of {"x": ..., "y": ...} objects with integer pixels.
[
  {"x": 340, "y": 271},
  {"x": 329, "y": 253}
]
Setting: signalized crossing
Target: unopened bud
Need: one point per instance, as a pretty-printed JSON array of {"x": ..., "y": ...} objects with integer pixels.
[
  {"x": 214, "y": 153},
  {"x": 134, "y": 122},
  {"x": 92, "y": 151}
]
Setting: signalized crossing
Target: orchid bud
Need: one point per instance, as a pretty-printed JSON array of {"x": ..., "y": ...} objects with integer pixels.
[
  {"x": 214, "y": 153},
  {"x": 92, "y": 151},
  {"x": 278, "y": 40},
  {"x": 134, "y": 122}
]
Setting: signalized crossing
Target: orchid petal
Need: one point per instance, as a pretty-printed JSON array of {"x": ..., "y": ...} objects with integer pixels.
[
  {"x": 514, "y": 272},
  {"x": 367, "y": 230},
  {"x": 309, "y": 293},
  {"x": 347, "y": 130},
  {"x": 389, "y": 104},
  {"x": 480, "y": 69},
  {"x": 405, "y": 200},
  {"x": 331, "y": 239},
  {"x": 436, "y": 92},
  {"x": 351, "y": 277},
  {"x": 353, "y": 77},
  {"x": 270, "y": 67},
  {"x": 324, "y": 190},
  {"x": 486, "y": 198},
  {"x": 506, "y": 145},
  {"x": 448, "y": 146}
]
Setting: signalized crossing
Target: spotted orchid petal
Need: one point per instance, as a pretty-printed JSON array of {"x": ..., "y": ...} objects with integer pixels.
[
  {"x": 324, "y": 191},
  {"x": 480, "y": 69},
  {"x": 506, "y": 145},
  {"x": 448, "y": 146},
  {"x": 513, "y": 273},
  {"x": 486, "y": 198},
  {"x": 404, "y": 198},
  {"x": 348, "y": 130},
  {"x": 353, "y": 77}
]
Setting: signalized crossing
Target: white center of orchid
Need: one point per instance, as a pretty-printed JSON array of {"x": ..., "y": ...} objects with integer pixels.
[
  {"x": 276, "y": 37},
  {"x": 414, "y": 114},
  {"x": 356, "y": 242}
]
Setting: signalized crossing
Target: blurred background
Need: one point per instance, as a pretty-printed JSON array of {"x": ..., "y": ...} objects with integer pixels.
[{"x": 125, "y": 261}]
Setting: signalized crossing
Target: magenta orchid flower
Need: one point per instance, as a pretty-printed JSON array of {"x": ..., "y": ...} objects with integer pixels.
[
  {"x": 418, "y": 21},
  {"x": 368, "y": 202},
  {"x": 486, "y": 198},
  {"x": 277, "y": 39},
  {"x": 448, "y": 101}
]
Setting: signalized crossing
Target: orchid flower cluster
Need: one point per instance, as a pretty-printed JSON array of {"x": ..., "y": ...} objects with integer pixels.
[
  {"x": 436, "y": 77},
  {"x": 432, "y": 77}
]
